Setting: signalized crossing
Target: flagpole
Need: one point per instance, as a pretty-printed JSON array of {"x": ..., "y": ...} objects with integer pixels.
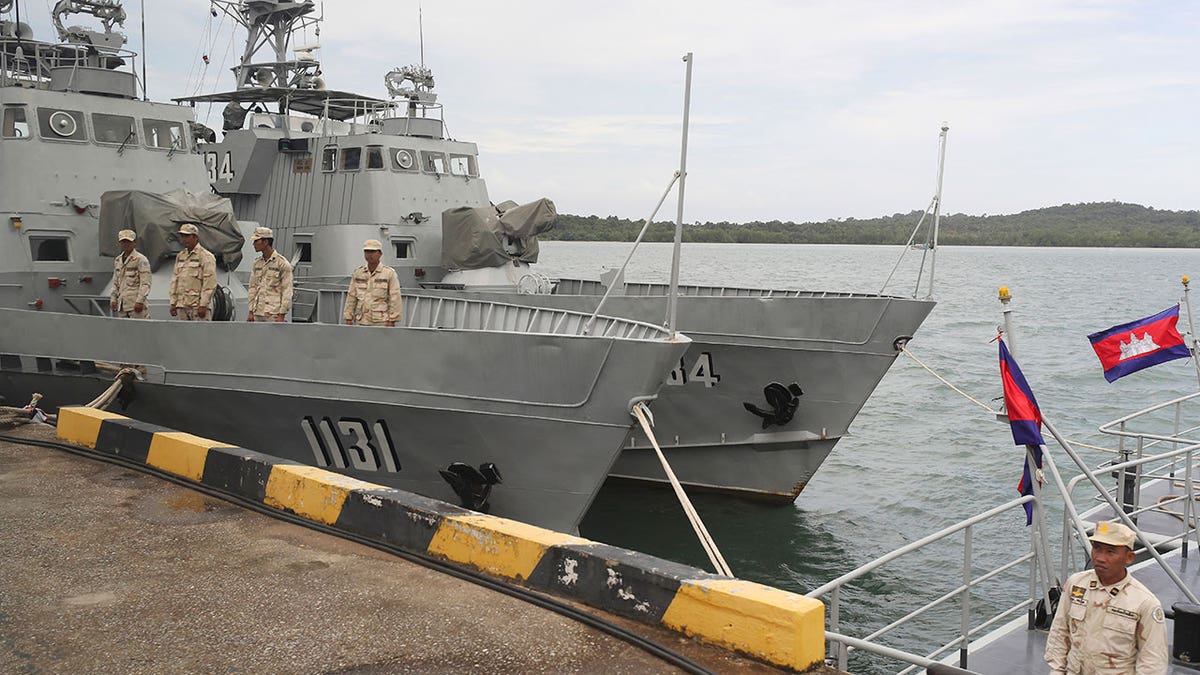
[
  {"x": 1005, "y": 297},
  {"x": 1187, "y": 301}
]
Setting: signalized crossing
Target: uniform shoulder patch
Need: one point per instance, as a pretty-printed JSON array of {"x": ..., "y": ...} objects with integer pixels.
[
  {"x": 1078, "y": 591},
  {"x": 1157, "y": 615}
]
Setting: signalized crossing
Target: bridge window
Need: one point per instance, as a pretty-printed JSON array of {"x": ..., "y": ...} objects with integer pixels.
[
  {"x": 328, "y": 157},
  {"x": 403, "y": 248},
  {"x": 164, "y": 134},
  {"x": 351, "y": 159},
  {"x": 61, "y": 125},
  {"x": 116, "y": 129},
  {"x": 374, "y": 157},
  {"x": 433, "y": 162},
  {"x": 403, "y": 159},
  {"x": 15, "y": 123},
  {"x": 463, "y": 165},
  {"x": 48, "y": 248}
]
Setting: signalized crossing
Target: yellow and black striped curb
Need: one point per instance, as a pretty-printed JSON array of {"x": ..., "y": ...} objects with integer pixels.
[{"x": 776, "y": 626}]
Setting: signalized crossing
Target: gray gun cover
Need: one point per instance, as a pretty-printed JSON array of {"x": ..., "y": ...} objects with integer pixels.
[
  {"x": 474, "y": 238},
  {"x": 156, "y": 218}
]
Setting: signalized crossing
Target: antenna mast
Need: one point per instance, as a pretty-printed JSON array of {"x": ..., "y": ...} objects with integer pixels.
[{"x": 421, "y": 31}]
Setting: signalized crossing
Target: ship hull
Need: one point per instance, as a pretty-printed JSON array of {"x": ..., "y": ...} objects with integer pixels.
[
  {"x": 835, "y": 347},
  {"x": 347, "y": 399}
]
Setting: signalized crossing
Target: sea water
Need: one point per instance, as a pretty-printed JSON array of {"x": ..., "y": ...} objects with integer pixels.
[{"x": 920, "y": 456}]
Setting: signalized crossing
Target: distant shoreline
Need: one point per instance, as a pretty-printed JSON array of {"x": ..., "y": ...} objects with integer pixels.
[{"x": 1095, "y": 225}]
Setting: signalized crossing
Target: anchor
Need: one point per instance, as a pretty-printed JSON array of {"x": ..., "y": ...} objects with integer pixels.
[
  {"x": 783, "y": 401},
  {"x": 473, "y": 486}
]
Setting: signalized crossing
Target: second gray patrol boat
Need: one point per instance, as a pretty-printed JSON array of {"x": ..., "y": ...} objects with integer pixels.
[
  {"x": 771, "y": 382},
  {"x": 482, "y": 403}
]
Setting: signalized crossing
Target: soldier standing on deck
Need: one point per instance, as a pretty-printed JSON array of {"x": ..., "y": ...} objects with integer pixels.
[
  {"x": 1107, "y": 622},
  {"x": 374, "y": 296},
  {"x": 270, "y": 281},
  {"x": 131, "y": 279},
  {"x": 195, "y": 277}
]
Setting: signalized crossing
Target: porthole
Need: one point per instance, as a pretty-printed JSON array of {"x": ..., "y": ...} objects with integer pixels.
[
  {"x": 63, "y": 124},
  {"x": 404, "y": 159}
]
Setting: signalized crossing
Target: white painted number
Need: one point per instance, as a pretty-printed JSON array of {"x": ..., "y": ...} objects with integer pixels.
[
  {"x": 701, "y": 371},
  {"x": 219, "y": 165},
  {"x": 368, "y": 451}
]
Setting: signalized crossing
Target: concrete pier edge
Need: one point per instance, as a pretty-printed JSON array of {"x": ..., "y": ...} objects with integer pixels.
[{"x": 776, "y": 626}]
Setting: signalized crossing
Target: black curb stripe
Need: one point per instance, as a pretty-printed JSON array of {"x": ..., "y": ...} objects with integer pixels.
[
  {"x": 127, "y": 438},
  {"x": 624, "y": 582},
  {"x": 398, "y": 518},
  {"x": 240, "y": 471}
]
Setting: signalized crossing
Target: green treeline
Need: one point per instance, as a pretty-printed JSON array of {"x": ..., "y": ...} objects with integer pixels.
[{"x": 1111, "y": 224}]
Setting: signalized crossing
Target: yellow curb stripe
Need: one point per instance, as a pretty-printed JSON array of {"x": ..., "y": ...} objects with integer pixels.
[
  {"x": 181, "y": 454},
  {"x": 314, "y": 493},
  {"x": 779, "y": 627},
  {"x": 496, "y": 545},
  {"x": 82, "y": 425}
]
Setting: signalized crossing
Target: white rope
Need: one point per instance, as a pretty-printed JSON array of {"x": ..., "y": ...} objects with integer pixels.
[
  {"x": 109, "y": 395},
  {"x": 947, "y": 383},
  {"x": 710, "y": 547}
]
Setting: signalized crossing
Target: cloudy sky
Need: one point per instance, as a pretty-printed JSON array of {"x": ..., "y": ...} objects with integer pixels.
[{"x": 803, "y": 110}]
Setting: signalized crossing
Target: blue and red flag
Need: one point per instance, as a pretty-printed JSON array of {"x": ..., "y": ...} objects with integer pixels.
[
  {"x": 1025, "y": 419},
  {"x": 1132, "y": 346}
]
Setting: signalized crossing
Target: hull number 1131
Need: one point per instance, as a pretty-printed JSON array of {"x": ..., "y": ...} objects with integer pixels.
[{"x": 352, "y": 445}]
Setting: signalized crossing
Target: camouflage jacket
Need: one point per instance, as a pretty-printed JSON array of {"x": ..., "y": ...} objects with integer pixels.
[
  {"x": 131, "y": 281},
  {"x": 374, "y": 297},
  {"x": 271, "y": 285},
  {"x": 195, "y": 278}
]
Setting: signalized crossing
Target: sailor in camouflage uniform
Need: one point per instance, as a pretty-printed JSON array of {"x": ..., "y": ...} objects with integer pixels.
[
  {"x": 374, "y": 296},
  {"x": 270, "y": 281},
  {"x": 195, "y": 277},
  {"x": 1107, "y": 622},
  {"x": 131, "y": 279}
]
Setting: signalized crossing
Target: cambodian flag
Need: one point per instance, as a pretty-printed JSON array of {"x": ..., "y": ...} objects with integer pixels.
[
  {"x": 1132, "y": 346},
  {"x": 1024, "y": 417},
  {"x": 1023, "y": 414}
]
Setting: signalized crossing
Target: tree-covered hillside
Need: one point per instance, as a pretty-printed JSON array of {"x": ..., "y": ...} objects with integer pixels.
[{"x": 1092, "y": 224}]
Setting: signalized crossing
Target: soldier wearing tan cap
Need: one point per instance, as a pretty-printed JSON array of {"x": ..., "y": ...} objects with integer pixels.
[
  {"x": 195, "y": 277},
  {"x": 270, "y": 280},
  {"x": 374, "y": 296},
  {"x": 1108, "y": 622},
  {"x": 131, "y": 279}
]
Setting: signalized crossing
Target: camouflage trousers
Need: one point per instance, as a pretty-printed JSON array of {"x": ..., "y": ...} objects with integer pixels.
[
  {"x": 144, "y": 314},
  {"x": 191, "y": 314},
  {"x": 268, "y": 318}
]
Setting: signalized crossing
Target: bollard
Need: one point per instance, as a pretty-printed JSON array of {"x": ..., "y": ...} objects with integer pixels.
[{"x": 1186, "y": 644}]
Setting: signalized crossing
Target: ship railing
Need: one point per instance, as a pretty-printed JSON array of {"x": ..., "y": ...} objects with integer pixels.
[
  {"x": 325, "y": 304},
  {"x": 364, "y": 115},
  {"x": 31, "y": 63},
  {"x": 840, "y": 645},
  {"x": 593, "y": 287}
]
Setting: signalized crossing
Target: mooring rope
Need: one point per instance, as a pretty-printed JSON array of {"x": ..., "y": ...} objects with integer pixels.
[
  {"x": 947, "y": 382},
  {"x": 641, "y": 412},
  {"x": 109, "y": 395}
]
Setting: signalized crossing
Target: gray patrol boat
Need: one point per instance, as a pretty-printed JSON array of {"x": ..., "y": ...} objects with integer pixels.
[
  {"x": 487, "y": 404},
  {"x": 771, "y": 382}
]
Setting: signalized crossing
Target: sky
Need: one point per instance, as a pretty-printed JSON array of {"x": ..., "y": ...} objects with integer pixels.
[{"x": 800, "y": 111}]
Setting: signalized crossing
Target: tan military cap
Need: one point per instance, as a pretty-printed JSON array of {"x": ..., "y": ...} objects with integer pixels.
[
  {"x": 188, "y": 228},
  {"x": 126, "y": 235},
  {"x": 262, "y": 233},
  {"x": 372, "y": 245},
  {"x": 1113, "y": 533}
]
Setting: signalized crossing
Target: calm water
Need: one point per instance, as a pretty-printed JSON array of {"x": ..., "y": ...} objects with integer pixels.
[{"x": 921, "y": 457}]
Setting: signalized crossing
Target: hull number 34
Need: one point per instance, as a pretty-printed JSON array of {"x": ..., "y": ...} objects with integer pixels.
[
  {"x": 351, "y": 444},
  {"x": 219, "y": 165},
  {"x": 701, "y": 372}
]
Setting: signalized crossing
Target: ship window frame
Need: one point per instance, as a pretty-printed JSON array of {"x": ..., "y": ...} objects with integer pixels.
[
  {"x": 80, "y": 134},
  {"x": 410, "y": 247},
  {"x": 150, "y": 131},
  {"x": 329, "y": 156},
  {"x": 394, "y": 157},
  {"x": 429, "y": 159},
  {"x": 344, "y": 156},
  {"x": 38, "y": 241},
  {"x": 132, "y": 129},
  {"x": 375, "y": 152},
  {"x": 471, "y": 165},
  {"x": 15, "y": 133},
  {"x": 302, "y": 248}
]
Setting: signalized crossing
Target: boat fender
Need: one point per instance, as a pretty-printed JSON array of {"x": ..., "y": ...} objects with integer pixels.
[
  {"x": 473, "y": 486},
  {"x": 222, "y": 304},
  {"x": 783, "y": 401},
  {"x": 1042, "y": 618}
]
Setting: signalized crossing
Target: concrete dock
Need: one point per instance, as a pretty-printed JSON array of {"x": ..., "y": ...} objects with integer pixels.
[{"x": 106, "y": 569}]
